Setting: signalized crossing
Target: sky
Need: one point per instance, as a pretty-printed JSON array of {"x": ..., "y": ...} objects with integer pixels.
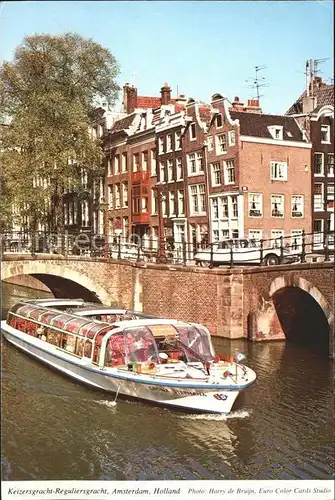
[{"x": 199, "y": 48}]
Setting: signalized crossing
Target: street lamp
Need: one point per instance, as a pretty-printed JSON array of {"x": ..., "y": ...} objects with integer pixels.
[{"x": 161, "y": 250}]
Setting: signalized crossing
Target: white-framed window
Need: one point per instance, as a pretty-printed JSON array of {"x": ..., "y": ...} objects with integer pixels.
[
  {"x": 229, "y": 172},
  {"x": 160, "y": 145},
  {"x": 164, "y": 206},
  {"x": 297, "y": 205},
  {"x": 318, "y": 191},
  {"x": 124, "y": 166},
  {"x": 210, "y": 143},
  {"x": 177, "y": 139},
  {"x": 221, "y": 144},
  {"x": 224, "y": 207},
  {"x": 181, "y": 208},
  {"x": 153, "y": 162},
  {"x": 216, "y": 174},
  {"x": 162, "y": 171},
  {"x": 276, "y": 131},
  {"x": 117, "y": 196},
  {"x": 169, "y": 142},
  {"x": 255, "y": 205},
  {"x": 255, "y": 234},
  {"x": 330, "y": 164},
  {"x": 116, "y": 164},
  {"x": 154, "y": 202},
  {"x": 124, "y": 194},
  {"x": 296, "y": 239},
  {"x": 216, "y": 235},
  {"x": 234, "y": 206},
  {"x": 179, "y": 168},
  {"x": 325, "y": 134},
  {"x": 170, "y": 170},
  {"x": 145, "y": 161},
  {"x": 109, "y": 167},
  {"x": 278, "y": 171},
  {"x": 136, "y": 162},
  {"x": 215, "y": 208},
  {"x": 231, "y": 137},
  {"x": 197, "y": 199},
  {"x": 191, "y": 164},
  {"x": 219, "y": 121},
  {"x": 277, "y": 205},
  {"x": 318, "y": 232},
  {"x": 330, "y": 192},
  {"x": 172, "y": 204},
  {"x": 276, "y": 237},
  {"x": 198, "y": 161},
  {"x": 193, "y": 133},
  {"x": 110, "y": 196},
  {"x": 318, "y": 164}
]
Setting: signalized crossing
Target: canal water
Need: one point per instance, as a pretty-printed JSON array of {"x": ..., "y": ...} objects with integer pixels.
[{"x": 54, "y": 428}]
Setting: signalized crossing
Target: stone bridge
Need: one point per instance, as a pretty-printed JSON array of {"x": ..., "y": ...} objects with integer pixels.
[{"x": 293, "y": 301}]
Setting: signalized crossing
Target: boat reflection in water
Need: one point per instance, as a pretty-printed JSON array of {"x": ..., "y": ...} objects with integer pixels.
[{"x": 158, "y": 360}]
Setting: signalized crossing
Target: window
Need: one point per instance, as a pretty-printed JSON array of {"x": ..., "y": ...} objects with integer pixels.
[
  {"x": 124, "y": 167},
  {"x": 117, "y": 196},
  {"x": 170, "y": 170},
  {"x": 116, "y": 164},
  {"x": 216, "y": 235},
  {"x": 216, "y": 174},
  {"x": 221, "y": 144},
  {"x": 318, "y": 196},
  {"x": 296, "y": 239},
  {"x": 162, "y": 171},
  {"x": 164, "y": 210},
  {"x": 277, "y": 205},
  {"x": 276, "y": 237},
  {"x": 330, "y": 192},
  {"x": 330, "y": 164},
  {"x": 197, "y": 199},
  {"x": 109, "y": 167},
  {"x": 192, "y": 131},
  {"x": 276, "y": 131},
  {"x": 154, "y": 204},
  {"x": 215, "y": 208},
  {"x": 177, "y": 139},
  {"x": 235, "y": 234},
  {"x": 199, "y": 166},
  {"x": 169, "y": 142},
  {"x": 160, "y": 145},
  {"x": 144, "y": 161},
  {"x": 219, "y": 120},
  {"x": 136, "y": 162},
  {"x": 153, "y": 162},
  {"x": 191, "y": 163},
  {"x": 318, "y": 164},
  {"x": 210, "y": 143},
  {"x": 297, "y": 206},
  {"x": 110, "y": 196},
  {"x": 234, "y": 206},
  {"x": 318, "y": 232},
  {"x": 325, "y": 134},
  {"x": 231, "y": 137},
  {"x": 255, "y": 205},
  {"x": 124, "y": 194},
  {"x": 224, "y": 207},
  {"x": 229, "y": 172},
  {"x": 255, "y": 234},
  {"x": 181, "y": 203},
  {"x": 172, "y": 204},
  {"x": 278, "y": 171},
  {"x": 179, "y": 168}
]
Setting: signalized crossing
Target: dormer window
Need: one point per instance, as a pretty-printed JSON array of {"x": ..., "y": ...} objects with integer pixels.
[{"x": 277, "y": 132}]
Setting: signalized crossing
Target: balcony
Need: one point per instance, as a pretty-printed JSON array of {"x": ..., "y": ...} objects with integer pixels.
[
  {"x": 142, "y": 218},
  {"x": 140, "y": 177}
]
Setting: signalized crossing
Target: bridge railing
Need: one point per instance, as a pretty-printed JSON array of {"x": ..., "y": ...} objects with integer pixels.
[{"x": 301, "y": 247}]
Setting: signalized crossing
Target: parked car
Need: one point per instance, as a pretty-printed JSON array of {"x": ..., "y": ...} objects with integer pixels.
[
  {"x": 244, "y": 251},
  {"x": 128, "y": 251}
]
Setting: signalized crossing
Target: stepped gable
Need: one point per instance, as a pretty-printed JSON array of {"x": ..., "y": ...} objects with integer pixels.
[{"x": 256, "y": 125}]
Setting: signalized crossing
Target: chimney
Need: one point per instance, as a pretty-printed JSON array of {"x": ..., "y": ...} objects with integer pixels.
[
  {"x": 166, "y": 94},
  {"x": 129, "y": 98},
  {"x": 237, "y": 105},
  {"x": 308, "y": 104}
]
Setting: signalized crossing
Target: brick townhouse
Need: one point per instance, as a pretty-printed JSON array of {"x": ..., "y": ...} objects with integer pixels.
[
  {"x": 314, "y": 110},
  {"x": 259, "y": 173}
]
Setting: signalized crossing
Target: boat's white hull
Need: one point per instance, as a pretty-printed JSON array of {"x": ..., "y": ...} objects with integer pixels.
[{"x": 183, "y": 393}]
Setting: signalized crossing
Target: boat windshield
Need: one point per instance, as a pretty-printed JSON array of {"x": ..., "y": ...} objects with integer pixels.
[{"x": 196, "y": 339}]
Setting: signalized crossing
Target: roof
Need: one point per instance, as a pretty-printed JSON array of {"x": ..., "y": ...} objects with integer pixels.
[
  {"x": 123, "y": 124},
  {"x": 256, "y": 125},
  {"x": 148, "y": 102},
  {"x": 205, "y": 114},
  {"x": 324, "y": 96}
]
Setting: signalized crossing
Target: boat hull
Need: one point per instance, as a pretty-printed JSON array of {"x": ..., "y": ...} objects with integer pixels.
[{"x": 181, "y": 393}]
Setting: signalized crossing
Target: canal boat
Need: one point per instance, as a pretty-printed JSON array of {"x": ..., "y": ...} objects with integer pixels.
[{"x": 161, "y": 361}]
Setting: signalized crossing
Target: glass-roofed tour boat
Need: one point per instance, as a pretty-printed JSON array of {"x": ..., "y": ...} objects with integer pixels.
[{"x": 163, "y": 361}]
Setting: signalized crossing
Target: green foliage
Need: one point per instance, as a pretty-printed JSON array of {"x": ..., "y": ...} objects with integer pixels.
[{"x": 47, "y": 96}]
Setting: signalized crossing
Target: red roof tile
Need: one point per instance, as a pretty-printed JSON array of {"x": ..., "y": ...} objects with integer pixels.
[
  {"x": 148, "y": 102},
  {"x": 324, "y": 95},
  {"x": 205, "y": 114}
]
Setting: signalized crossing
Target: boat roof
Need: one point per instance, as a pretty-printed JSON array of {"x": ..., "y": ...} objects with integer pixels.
[
  {"x": 83, "y": 311},
  {"x": 60, "y": 302}
]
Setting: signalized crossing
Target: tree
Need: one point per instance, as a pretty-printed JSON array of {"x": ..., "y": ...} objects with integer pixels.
[{"x": 47, "y": 97}]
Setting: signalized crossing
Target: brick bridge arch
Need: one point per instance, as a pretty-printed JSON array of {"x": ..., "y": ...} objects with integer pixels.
[{"x": 38, "y": 268}]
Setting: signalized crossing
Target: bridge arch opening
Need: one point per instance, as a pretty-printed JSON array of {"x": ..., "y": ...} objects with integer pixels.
[{"x": 304, "y": 317}]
